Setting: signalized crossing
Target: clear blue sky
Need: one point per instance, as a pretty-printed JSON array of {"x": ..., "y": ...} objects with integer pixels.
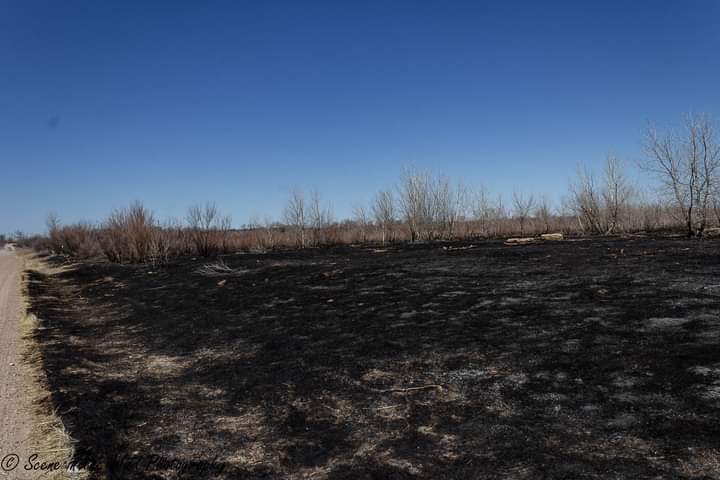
[{"x": 238, "y": 102}]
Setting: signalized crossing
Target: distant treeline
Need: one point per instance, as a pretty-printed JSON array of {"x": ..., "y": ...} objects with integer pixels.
[{"x": 424, "y": 206}]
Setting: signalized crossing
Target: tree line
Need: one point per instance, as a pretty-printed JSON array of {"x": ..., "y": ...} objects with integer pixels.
[{"x": 424, "y": 206}]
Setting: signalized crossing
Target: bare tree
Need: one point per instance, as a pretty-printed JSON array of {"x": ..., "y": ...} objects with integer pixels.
[
  {"x": 383, "y": 210},
  {"x": 616, "y": 194},
  {"x": 543, "y": 213},
  {"x": 450, "y": 205},
  {"x": 484, "y": 211},
  {"x": 296, "y": 216},
  {"x": 687, "y": 163},
  {"x": 52, "y": 222},
  {"x": 522, "y": 206},
  {"x": 320, "y": 217},
  {"x": 362, "y": 220},
  {"x": 601, "y": 207},
  {"x": 417, "y": 204},
  {"x": 585, "y": 202}
]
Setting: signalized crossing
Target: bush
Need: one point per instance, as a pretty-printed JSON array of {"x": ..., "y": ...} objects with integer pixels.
[
  {"x": 128, "y": 235},
  {"x": 78, "y": 240},
  {"x": 208, "y": 230}
]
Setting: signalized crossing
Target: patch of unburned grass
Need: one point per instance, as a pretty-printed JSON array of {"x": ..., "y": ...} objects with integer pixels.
[{"x": 48, "y": 439}]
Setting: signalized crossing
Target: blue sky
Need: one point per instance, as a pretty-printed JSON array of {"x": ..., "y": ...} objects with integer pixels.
[{"x": 176, "y": 103}]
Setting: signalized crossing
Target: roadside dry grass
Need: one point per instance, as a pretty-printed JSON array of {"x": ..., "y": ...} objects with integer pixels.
[{"x": 49, "y": 439}]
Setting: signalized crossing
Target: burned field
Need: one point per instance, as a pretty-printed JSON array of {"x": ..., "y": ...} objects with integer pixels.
[{"x": 588, "y": 358}]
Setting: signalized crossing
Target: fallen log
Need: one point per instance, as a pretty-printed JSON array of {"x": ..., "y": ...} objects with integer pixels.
[
  {"x": 520, "y": 241},
  {"x": 552, "y": 236}
]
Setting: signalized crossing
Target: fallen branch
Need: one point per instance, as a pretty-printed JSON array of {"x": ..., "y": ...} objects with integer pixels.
[
  {"x": 411, "y": 389},
  {"x": 468, "y": 247}
]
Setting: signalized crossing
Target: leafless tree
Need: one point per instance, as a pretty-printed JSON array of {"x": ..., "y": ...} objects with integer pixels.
[
  {"x": 616, "y": 194},
  {"x": 601, "y": 207},
  {"x": 450, "y": 205},
  {"x": 687, "y": 163},
  {"x": 484, "y": 211},
  {"x": 543, "y": 213},
  {"x": 320, "y": 217},
  {"x": 522, "y": 207},
  {"x": 585, "y": 202},
  {"x": 383, "y": 210},
  {"x": 362, "y": 220},
  {"x": 417, "y": 203},
  {"x": 500, "y": 207},
  {"x": 52, "y": 222},
  {"x": 296, "y": 216}
]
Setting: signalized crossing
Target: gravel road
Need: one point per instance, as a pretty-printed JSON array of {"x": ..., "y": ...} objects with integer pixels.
[{"x": 13, "y": 405}]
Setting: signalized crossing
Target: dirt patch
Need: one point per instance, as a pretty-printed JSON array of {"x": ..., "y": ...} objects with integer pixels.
[{"x": 555, "y": 360}]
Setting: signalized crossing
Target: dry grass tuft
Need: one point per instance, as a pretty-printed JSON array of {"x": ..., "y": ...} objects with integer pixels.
[
  {"x": 219, "y": 269},
  {"x": 48, "y": 437}
]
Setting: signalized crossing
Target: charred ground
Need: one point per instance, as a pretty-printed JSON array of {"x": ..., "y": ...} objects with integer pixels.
[{"x": 589, "y": 358}]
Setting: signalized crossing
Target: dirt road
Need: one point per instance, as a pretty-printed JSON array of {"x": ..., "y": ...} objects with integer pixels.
[{"x": 13, "y": 408}]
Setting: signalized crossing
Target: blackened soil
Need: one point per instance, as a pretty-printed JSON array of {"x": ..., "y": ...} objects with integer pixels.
[{"x": 588, "y": 358}]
